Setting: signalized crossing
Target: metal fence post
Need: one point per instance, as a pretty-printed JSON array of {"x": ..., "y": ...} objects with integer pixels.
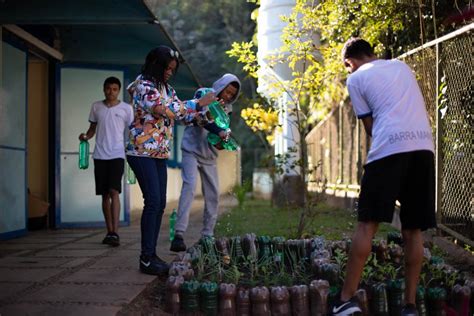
[
  {"x": 330, "y": 153},
  {"x": 340, "y": 136},
  {"x": 359, "y": 153},
  {"x": 439, "y": 137}
]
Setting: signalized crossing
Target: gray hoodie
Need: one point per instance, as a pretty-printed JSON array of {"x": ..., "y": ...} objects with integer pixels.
[{"x": 195, "y": 137}]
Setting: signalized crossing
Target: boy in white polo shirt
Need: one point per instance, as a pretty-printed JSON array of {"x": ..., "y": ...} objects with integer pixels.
[
  {"x": 400, "y": 165},
  {"x": 110, "y": 118}
]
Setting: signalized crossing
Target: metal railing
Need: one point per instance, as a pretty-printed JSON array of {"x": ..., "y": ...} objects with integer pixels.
[{"x": 444, "y": 69}]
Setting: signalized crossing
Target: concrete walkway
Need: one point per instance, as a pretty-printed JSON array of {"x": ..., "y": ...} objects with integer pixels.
[{"x": 70, "y": 272}]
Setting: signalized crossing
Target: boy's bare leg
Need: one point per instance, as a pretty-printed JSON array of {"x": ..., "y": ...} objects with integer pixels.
[
  {"x": 107, "y": 210},
  {"x": 413, "y": 241},
  {"x": 115, "y": 209},
  {"x": 360, "y": 249}
]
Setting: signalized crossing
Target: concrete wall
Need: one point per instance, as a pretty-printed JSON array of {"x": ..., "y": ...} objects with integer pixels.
[
  {"x": 228, "y": 168},
  {"x": 341, "y": 199}
]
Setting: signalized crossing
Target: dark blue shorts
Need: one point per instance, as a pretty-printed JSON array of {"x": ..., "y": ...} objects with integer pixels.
[
  {"x": 407, "y": 177},
  {"x": 108, "y": 175}
]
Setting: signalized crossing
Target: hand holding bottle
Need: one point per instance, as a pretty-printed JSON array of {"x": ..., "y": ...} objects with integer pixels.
[
  {"x": 225, "y": 134},
  {"x": 83, "y": 137},
  {"x": 207, "y": 99}
]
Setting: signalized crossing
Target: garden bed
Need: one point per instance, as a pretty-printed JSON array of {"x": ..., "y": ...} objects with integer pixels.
[
  {"x": 273, "y": 276},
  {"x": 336, "y": 224}
]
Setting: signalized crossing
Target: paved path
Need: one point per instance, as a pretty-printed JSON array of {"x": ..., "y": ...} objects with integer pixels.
[{"x": 69, "y": 272}]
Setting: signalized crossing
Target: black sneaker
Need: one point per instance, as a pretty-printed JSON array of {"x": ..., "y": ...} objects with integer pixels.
[
  {"x": 114, "y": 240},
  {"x": 106, "y": 240},
  {"x": 409, "y": 310},
  {"x": 178, "y": 244},
  {"x": 346, "y": 308},
  {"x": 151, "y": 265},
  {"x": 158, "y": 259}
]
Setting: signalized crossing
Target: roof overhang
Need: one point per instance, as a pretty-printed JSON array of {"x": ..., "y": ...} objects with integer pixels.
[{"x": 96, "y": 32}]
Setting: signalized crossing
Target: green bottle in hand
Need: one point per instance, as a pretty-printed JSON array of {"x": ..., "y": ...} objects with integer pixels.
[
  {"x": 83, "y": 154},
  {"x": 219, "y": 115},
  {"x": 230, "y": 144},
  {"x": 131, "y": 178}
]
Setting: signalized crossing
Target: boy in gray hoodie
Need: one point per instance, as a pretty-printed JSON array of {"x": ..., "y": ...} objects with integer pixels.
[{"x": 200, "y": 156}]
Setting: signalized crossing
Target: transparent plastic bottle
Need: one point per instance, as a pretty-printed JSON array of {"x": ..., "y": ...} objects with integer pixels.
[
  {"x": 83, "y": 154},
  {"x": 173, "y": 218}
]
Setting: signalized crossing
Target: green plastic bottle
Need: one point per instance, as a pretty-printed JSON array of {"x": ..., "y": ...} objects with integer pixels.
[
  {"x": 173, "y": 218},
  {"x": 131, "y": 178},
  {"x": 219, "y": 115},
  {"x": 230, "y": 144},
  {"x": 209, "y": 298},
  {"x": 222, "y": 120},
  {"x": 190, "y": 297},
  {"x": 83, "y": 154}
]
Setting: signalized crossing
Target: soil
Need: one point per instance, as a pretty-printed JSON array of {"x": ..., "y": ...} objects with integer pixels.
[
  {"x": 148, "y": 302},
  {"x": 456, "y": 256}
]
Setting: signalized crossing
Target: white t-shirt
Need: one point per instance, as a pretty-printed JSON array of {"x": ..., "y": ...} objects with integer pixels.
[
  {"x": 388, "y": 91},
  {"x": 112, "y": 123}
]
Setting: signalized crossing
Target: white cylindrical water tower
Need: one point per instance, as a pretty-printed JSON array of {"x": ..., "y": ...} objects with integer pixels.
[
  {"x": 287, "y": 189},
  {"x": 270, "y": 27}
]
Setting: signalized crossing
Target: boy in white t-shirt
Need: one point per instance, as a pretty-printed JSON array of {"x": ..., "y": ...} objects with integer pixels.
[
  {"x": 110, "y": 118},
  {"x": 400, "y": 165}
]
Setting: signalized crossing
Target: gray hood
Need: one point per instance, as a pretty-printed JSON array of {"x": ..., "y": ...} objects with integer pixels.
[{"x": 223, "y": 82}]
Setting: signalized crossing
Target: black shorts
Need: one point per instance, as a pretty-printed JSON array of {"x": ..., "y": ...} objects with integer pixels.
[
  {"x": 108, "y": 175},
  {"x": 407, "y": 177}
]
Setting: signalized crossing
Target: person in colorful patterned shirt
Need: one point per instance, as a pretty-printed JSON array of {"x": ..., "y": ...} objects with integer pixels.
[{"x": 156, "y": 107}]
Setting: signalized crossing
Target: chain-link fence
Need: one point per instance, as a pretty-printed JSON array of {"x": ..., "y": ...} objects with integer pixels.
[{"x": 445, "y": 72}]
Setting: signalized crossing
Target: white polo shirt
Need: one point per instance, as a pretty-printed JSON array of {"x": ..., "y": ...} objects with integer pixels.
[
  {"x": 112, "y": 124},
  {"x": 388, "y": 91}
]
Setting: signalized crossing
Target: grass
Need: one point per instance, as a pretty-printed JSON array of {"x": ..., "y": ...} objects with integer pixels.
[{"x": 259, "y": 217}]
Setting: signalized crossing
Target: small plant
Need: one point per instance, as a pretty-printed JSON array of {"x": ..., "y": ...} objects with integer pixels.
[
  {"x": 341, "y": 257},
  {"x": 437, "y": 251},
  {"x": 369, "y": 271},
  {"x": 469, "y": 248},
  {"x": 240, "y": 192}
]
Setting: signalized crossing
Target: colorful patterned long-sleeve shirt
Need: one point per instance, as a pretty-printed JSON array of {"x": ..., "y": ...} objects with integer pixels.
[{"x": 151, "y": 134}]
